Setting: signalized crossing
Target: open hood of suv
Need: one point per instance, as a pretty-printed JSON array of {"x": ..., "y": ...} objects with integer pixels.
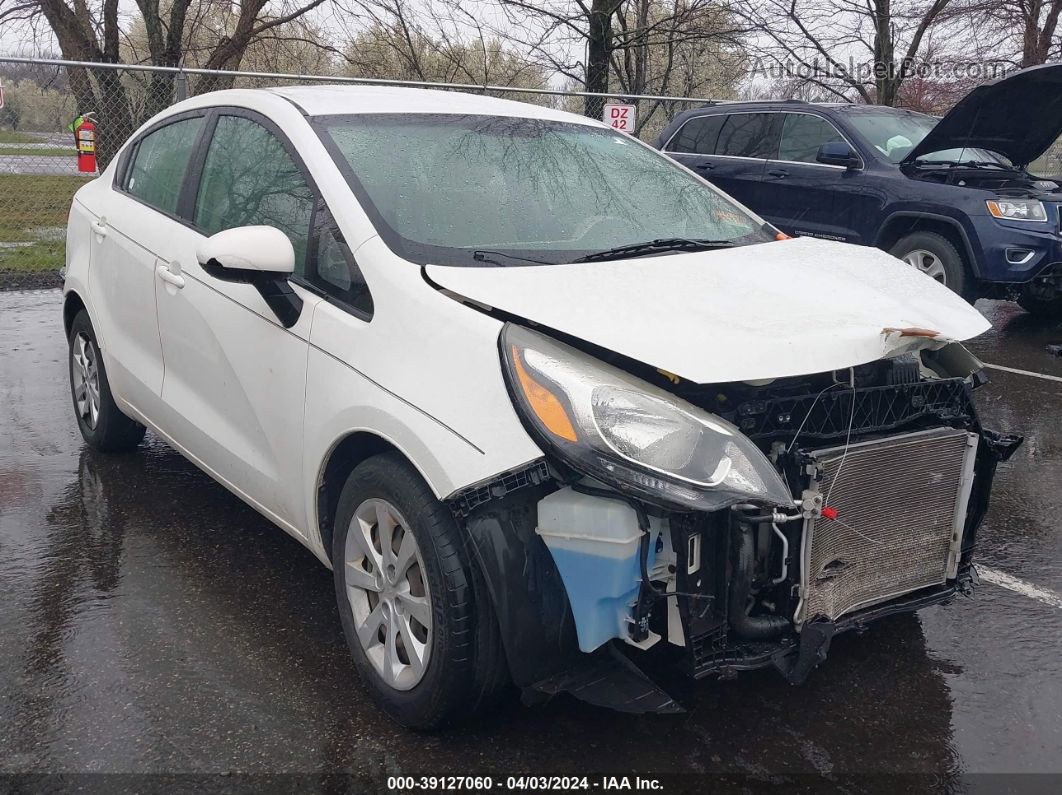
[
  {"x": 765, "y": 311},
  {"x": 1018, "y": 116}
]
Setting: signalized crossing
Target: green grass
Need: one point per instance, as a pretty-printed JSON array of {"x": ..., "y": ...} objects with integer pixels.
[
  {"x": 37, "y": 152},
  {"x": 12, "y": 137},
  {"x": 41, "y": 256},
  {"x": 33, "y": 210}
]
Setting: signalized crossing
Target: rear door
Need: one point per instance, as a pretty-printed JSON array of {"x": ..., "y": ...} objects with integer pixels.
[
  {"x": 235, "y": 377},
  {"x": 728, "y": 149},
  {"x": 802, "y": 196},
  {"x": 136, "y": 216}
]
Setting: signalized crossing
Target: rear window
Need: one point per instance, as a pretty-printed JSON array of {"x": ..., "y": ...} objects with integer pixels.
[
  {"x": 157, "y": 172},
  {"x": 698, "y": 136},
  {"x": 747, "y": 135}
]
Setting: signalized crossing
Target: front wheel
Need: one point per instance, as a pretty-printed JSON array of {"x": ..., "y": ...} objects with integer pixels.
[
  {"x": 936, "y": 257},
  {"x": 102, "y": 424},
  {"x": 421, "y": 640}
]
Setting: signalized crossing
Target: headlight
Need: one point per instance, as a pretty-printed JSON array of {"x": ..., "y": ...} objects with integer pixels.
[
  {"x": 1017, "y": 209},
  {"x": 605, "y": 423}
]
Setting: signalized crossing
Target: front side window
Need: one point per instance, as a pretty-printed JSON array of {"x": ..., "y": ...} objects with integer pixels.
[
  {"x": 802, "y": 135},
  {"x": 698, "y": 136},
  {"x": 248, "y": 179},
  {"x": 160, "y": 162},
  {"x": 489, "y": 190}
]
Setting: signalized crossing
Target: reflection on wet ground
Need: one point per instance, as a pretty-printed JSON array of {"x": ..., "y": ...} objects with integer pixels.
[{"x": 149, "y": 621}]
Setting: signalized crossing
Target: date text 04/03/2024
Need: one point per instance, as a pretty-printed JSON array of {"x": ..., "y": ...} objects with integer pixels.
[{"x": 521, "y": 783}]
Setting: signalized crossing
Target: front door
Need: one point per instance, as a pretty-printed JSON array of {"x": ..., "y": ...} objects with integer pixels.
[
  {"x": 235, "y": 378},
  {"x": 800, "y": 195}
]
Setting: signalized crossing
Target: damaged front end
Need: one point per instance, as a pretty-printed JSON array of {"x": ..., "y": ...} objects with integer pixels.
[{"x": 724, "y": 527}]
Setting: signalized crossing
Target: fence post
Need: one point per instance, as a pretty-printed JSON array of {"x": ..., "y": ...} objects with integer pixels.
[{"x": 180, "y": 86}]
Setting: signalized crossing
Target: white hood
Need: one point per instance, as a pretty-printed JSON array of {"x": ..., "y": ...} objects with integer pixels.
[{"x": 766, "y": 311}]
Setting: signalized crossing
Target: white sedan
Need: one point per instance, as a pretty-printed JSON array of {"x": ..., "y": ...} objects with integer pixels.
[{"x": 542, "y": 399}]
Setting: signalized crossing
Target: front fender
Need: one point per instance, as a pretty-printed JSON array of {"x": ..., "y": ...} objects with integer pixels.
[{"x": 527, "y": 593}]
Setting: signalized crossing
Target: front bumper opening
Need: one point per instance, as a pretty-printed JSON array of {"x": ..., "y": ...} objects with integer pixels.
[{"x": 746, "y": 588}]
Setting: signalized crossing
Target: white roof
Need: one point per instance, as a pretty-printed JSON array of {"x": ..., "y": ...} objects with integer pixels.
[{"x": 322, "y": 100}]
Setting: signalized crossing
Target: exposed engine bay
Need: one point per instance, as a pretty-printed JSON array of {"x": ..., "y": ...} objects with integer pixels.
[
  {"x": 888, "y": 470},
  {"x": 1008, "y": 182}
]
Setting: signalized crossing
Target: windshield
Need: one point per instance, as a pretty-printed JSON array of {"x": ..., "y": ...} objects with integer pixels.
[
  {"x": 895, "y": 133},
  {"x": 441, "y": 188}
]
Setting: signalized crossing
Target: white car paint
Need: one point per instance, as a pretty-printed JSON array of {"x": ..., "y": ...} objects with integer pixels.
[
  {"x": 206, "y": 364},
  {"x": 777, "y": 309},
  {"x": 253, "y": 248}
]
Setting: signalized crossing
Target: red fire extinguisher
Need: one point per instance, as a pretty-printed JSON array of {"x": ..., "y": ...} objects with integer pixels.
[{"x": 85, "y": 135}]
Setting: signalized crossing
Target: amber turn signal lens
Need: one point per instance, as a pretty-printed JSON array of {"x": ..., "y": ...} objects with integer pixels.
[{"x": 544, "y": 403}]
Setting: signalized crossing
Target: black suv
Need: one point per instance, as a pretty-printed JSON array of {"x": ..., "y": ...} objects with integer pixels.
[{"x": 953, "y": 197}]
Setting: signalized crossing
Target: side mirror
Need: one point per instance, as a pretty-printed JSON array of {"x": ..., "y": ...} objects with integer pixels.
[
  {"x": 261, "y": 256},
  {"x": 246, "y": 253},
  {"x": 838, "y": 153}
]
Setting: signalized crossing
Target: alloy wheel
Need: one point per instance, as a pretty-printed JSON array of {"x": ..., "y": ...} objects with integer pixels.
[
  {"x": 86, "y": 378},
  {"x": 927, "y": 262},
  {"x": 387, "y": 591}
]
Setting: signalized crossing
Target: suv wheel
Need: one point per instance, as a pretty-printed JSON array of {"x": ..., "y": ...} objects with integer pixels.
[
  {"x": 101, "y": 422},
  {"x": 936, "y": 257},
  {"x": 1041, "y": 300},
  {"x": 424, "y": 644}
]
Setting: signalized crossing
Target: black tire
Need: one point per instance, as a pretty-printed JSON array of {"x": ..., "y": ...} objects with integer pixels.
[
  {"x": 1050, "y": 308},
  {"x": 956, "y": 276},
  {"x": 465, "y": 666},
  {"x": 112, "y": 431}
]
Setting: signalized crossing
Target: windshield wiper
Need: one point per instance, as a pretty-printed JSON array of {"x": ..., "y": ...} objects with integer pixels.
[
  {"x": 957, "y": 163},
  {"x": 486, "y": 255},
  {"x": 654, "y": 247}
]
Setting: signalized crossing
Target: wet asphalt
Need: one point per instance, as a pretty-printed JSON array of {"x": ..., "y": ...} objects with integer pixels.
[{"x": 151, "y": 623}]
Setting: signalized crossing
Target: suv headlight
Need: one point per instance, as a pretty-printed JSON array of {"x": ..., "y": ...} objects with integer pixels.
[
  {"x": 1017, "y": 209},
  {"x": 605, "y": 423}
]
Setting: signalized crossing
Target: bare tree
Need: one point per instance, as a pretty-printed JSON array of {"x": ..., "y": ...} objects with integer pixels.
[
  {"x": 90, "y": 30},
  {"x": 1031, "y": 26},
  {"x": 636, "y": 44},
  {"x": 862, "y": 49}
]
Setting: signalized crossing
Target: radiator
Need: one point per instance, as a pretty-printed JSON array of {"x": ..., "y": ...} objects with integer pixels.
[{"x": 901, "y": 506}]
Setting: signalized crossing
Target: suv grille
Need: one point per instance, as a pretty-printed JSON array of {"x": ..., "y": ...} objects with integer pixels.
[{"x": 901, "y": 506}]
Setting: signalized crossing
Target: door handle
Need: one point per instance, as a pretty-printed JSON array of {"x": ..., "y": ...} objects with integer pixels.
[
  {"x": 704, "y": 166},
  {"x": 779, "y": 173},
  {"x": 169, "y": 276},
  {"x": 100, "y": 228}
]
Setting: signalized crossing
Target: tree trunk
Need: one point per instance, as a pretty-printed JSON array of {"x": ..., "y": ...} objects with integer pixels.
[
  {"x": 641, "y": 51},
  {"x": 1036, "y": 40},
  {"x": 598, "y": 52},
  {"x": 886, "y": 80}
]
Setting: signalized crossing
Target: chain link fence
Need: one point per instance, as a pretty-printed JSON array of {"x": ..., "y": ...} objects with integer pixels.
[{"x": 39, "y": 170}]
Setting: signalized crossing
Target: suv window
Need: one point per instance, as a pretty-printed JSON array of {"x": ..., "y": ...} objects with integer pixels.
[
  {"x": 747, "y": 135},
  {"x": 249, "y": 178},
  {"x": 802, "y": 135},
  {"x": 159, "y": 164},
  {"x": 698, "y": 136}
]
